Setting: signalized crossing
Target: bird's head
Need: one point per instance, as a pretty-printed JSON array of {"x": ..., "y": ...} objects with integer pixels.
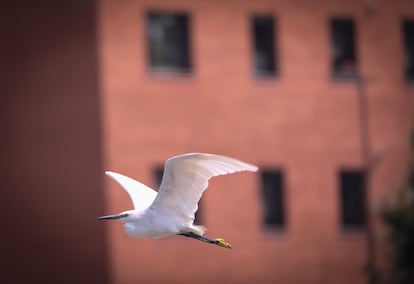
[{"x": 124, "y": 216}]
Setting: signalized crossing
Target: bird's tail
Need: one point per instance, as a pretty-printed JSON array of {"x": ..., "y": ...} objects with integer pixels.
[{"x": 199, "y": 230}]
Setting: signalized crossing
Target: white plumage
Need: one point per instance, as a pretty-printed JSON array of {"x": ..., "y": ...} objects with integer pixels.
[{"x": 171, "y": 210}]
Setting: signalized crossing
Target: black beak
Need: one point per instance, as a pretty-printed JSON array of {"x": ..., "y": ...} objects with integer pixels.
[{"x": 113, "y": 217}]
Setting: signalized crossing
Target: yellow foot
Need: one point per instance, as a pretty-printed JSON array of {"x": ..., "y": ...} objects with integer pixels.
[{"x": 223, "y": 243}]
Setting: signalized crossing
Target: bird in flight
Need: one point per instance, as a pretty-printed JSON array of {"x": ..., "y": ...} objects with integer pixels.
[{"x": 171, "y": 210}]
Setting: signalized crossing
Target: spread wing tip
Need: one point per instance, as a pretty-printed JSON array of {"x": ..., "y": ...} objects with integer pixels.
[
  {"x": 251, "y": 168},
  {"x": 111, "y": 174}
]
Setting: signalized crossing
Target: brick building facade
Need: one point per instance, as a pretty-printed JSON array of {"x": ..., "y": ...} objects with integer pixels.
[{"x": 303, "y": 120}]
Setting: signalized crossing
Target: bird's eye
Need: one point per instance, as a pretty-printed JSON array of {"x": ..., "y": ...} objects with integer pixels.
[{"x": 124, "y": 215}]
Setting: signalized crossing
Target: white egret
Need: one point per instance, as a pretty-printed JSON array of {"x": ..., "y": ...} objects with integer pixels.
[{"x": 171, "y": 210}]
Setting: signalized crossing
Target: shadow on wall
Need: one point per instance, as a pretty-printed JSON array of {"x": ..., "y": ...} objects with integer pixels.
[{"x": 51, "y": 160}]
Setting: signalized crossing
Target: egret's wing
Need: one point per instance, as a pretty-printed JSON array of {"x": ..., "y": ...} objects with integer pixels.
[
  {"x": 141, "y": 195},
  {"x": 185, "y": 179}
]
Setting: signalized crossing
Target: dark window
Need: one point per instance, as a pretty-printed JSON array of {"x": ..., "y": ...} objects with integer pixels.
[
  {"x": 168, "y": 41},
  {"x": 264, "y": 45},
  {"x": 273, "y": 198},
  {"x": 344, "y": 61},
  {"x": 352, "y": 194},
  {"x": 158, "y": 172},
  {"x": 408, "y": 30}
]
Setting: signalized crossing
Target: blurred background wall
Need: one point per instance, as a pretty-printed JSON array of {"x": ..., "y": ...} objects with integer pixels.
[
  {"x": 318, "y": 94},
  {"x": 51, "y": 147}
]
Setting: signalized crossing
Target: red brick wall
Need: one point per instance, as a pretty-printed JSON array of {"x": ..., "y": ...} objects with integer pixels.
[{"x": 304, "y": 122}]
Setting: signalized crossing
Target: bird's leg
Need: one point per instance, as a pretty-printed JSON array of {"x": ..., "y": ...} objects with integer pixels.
[{"x": 218, "y": 242}]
